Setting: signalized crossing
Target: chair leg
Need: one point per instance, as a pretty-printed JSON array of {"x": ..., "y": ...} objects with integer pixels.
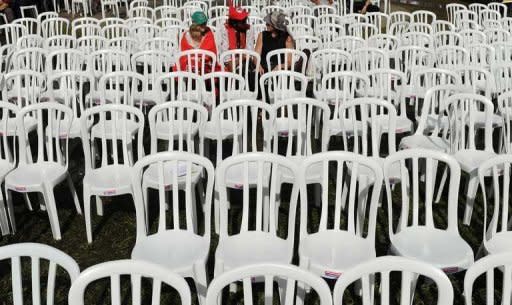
[
  {"x": 145, "y": 191},
  {"x": 27, "y": 201},
  {"x": 87, "y": 212},
  {"x": 4, "y": 220},
  {"x": 201, "y": 282},
  {"x": 441, "y": 185},
  {"x": 74, "y": 194},
  {"x": 471, "y": 194},
  {"x": 194, "y": 208},
  {"x": 51, "y": 208},
  {"x": 10, "y": 210},
  {"x": 99, "y": 206},
  {"x": 301, "y": 288}
]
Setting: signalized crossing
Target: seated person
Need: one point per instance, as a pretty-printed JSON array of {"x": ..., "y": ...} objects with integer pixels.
[
  {"x": 235, "y": 32},
  {"x": 199, "y": 36},
  {"x": 363, "y": 6}
]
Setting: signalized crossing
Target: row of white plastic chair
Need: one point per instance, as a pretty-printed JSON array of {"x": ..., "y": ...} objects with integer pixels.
[{"x": 290, "y": 279}]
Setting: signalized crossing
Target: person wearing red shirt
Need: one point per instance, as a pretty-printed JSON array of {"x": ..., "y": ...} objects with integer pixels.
[
  {"x": 235, "y": 32},
  {"x": 199, "y": 36}
]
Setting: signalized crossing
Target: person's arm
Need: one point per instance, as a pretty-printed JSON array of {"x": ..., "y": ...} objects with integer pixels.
[
  {"x": 290, "y": 44},
  {"x": 258, "y": 48},
  {"x": 365, "y": 7}
]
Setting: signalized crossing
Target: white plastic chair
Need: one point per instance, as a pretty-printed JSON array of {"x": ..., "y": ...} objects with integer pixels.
[
  {"x": 241, "y": 61},
  {"x": 432, "y": 130},
  {"x": 496, "y": 230},
  {"x": 378, "y": 19},
  {"x": 40, "y": 256},
  {"x": 327, "y": 61},
  {"x": 446, "y": 38},
  {"x": 348, "y": 43},
  {"x": 497, "y": 35},
  {"x": 164, "y": 12},
  {"x": 115, "y": 31},
  {"x": 179, "y": 248},
  {"x": 91, "y": 44},
  {"x": 429, "y": 239},
  {"x": 50, "y": 167},
  {"x": 490, "y": 266},
  {"x": 386, "y": 84},
  {"x": 385, "y": 42},
  {"x": 423, "y": 16},
  {"x": 287, "y": 276},
  {"x": 32, "y": 25},
  {"x": 181, "y": 86},
  {"x": 137, "y": 270},
  {"x": 383, "y": 268},
  {"x": 111, "y": 177},
  {"x": 261, "y": 242},
  {"x": 55, "y": 26},
  {"x": 286, "y": 59},
  {"x": 281, "y": 85},
  {"x": 33, "y": 59},
  {"x": 152, "y": 64},
  {"x": 10, "y": 33},
  {"x": 451, "y": 9},
  {"x": 197, "y": 61},
  {"x": 466, "y": 111},
  {"x": 324, "y": 250},
  {"x": 7, "y": 160},
  {"x": 82, "y": 30},
  {"x": 443, "y": 26},
  {"x": 499, "y": 7},
  {"x": 417, "y": 38},
  {"x": 471, "y": 37},
  {"x": 76, "y": 5},
  {"x": 367, "y": 59},
  {"x": 29, "y": 41},
  {"x": 423, "y": 79},
  {"x": 112, "y": 5}
]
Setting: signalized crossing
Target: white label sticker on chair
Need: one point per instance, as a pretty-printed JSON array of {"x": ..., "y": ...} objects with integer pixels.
[
  {"x": 333, "y": 275},
  {"x": 109, "y": 192},
  {"x": 449, "y": 270},
  {"x": 20, "y": 188}
]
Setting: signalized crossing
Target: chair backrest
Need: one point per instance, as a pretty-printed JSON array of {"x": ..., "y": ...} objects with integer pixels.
[
  {"x": 82, "y": 30},
  {"x": 287, "y": 59},
  {"x": 23, "y": 87},
  {"x": 418, "y": 170},
  {"x": 388, "y": 84},
  {"x": 433, "y": 109},
  {"x": 91, "y": 44},
  {"x": 53, "y": 125},
  {"x": 378, "y": 19},
  {"x": 470, "y": 37},
  {"x": 152, "y": 64},
  {"x": 355, "y": 211},
  {"x": 307, "y": 42},
  {"x": 70, "y": 88},
  {"x": 423, "y": 16},
  {"x": 451, "y": 57},
  {"x": 282, "y": 84},
  {"x": 481, "y": 55},
  {"x": 39, "y": 254},
  {"x": 502, "y": 52},
  {"x": 8, "y": 112},
  {"x": 221, "y": 87},
  {"x": 111, "y": 21},
  {"x": 425, "y": 78},
  {"x": 367, "y": 59},
  {"x": 295, "y": 126},
  {"x": 408, "y": 59},
  {"x": 29, "y": 59},
  {"x": 106, "y": 61},
  {"x": 10, "y": 33},
  {"x": 327, "y": 61},
  {"x": 173, "y": 172},
  {"x": 181, "y": 86},
  {"x": 505, "y": 109},
  {"x": 478, "y": 80},
  {"x": 272, "y": 273},
  {"x": 125, "y": 44},
  {"x": 177, "y": 123},
  {"x": 197, "y": 61},
  {"x": 497, "y": 35},
  {"x": 55, "y": 26},
  {"x": 385, "y": 42},
  {"x": 356, "y": 117},
  {"x": 240, "y": 118},
  {"x": 115, "y": 124},
  {"x": 417, "y": 37},
  {"x": 383, "y": 268},
  {"x": 262, "y": 172},
  {"x": 115, "y": 30},
  {"x": 348, "y": 43},
  {"x": 502, "y": 76},
  {"x": 123, "y": 88},
  {"x": 47, "y": 15},
  {"x": 362, "y": 29},
  {"x": 30, "y": 41},
  {"x": 161, "y": 44},
  {"x": 241, "y": 61},
  {"x": 451, "y": 8},
  {"x": 486, "y": 270},
  {"x": 442, "y": 26},
  {"x": 344, "y": 86},
  {"x": 137, "y": 270},
  {"x": 64, "y": 60},
  {"x": 32, "y": 25},
  {"x": 60, "y": 42}
]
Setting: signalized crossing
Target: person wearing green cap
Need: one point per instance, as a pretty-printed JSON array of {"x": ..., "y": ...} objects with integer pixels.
[{"x": 199, "y": 36}]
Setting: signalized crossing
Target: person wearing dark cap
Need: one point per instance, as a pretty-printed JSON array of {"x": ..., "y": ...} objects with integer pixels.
[
  {"x": 199, "y": 36},
  {"x": 275, "y": 37}
]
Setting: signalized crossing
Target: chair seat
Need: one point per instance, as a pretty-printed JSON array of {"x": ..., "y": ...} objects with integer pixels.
[
  {"x": 235, "y": 175},
  {"x": 5, "y": 168},
  {"x": 150, "y": 177},
  {"x": 333, "y": 252},
  {"x": 94, "y": 97},
  {"x": 177, "y": 250},
  {"x": 313, "y": 175},
  {"x": 437, "y": 247},
  {"x": 330, "y": 95},
  {"x": 59, "y": 95},
  {"x": 402, "y": 124},
  {"x": 98, "y": 129},
  {"x": 147, "y": 97},
  {"x": 497, "y": 120},
  {"x": 30, "y": 177},
  {"x": 335, "y": 127},
  {"x": 500, "y": 243},
  {"x": 426, "y": 142},
  {"x": 289, "y": 94},
  {"x": 471, "y": 159},
  {"x": 30, "y": 125},
  {"x": 110, "y": 180},
  {"x": 74, "y": 130},
  {"x": 240, "y": 94},
  {"x": 228, "y": 127},
  {"x": 252, "y": 248},
  {"x": 163, "y": 129}
]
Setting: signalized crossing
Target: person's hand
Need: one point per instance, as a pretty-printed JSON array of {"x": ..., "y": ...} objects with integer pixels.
[{"x": 261, "y": 70}]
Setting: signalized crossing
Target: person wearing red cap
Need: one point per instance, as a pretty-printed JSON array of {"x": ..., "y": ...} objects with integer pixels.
[{"x": 236, "y": 31}]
